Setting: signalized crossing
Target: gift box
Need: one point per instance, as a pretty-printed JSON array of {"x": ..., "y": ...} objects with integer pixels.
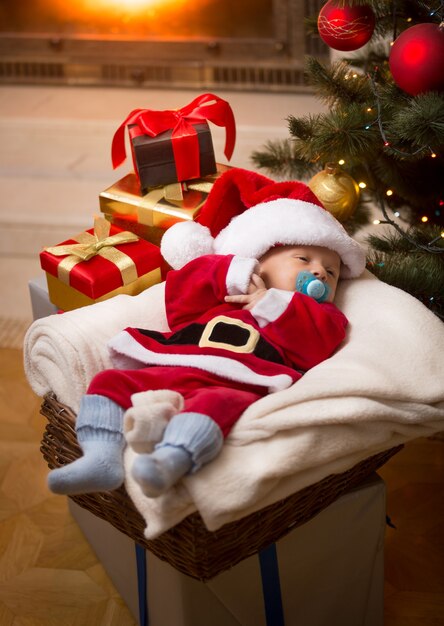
[
  {"x": 40, "y": 302},
  {"x": 174, "y": 146},
  {"x": 149, "y": 215},
  {"x": 154, "y": 157},
  {"x": 333, "y": 565},
  {"x": 98, "y": 264}
]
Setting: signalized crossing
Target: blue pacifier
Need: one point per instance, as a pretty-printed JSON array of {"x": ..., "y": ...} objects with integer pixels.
[{"x": 307, "y": 283}]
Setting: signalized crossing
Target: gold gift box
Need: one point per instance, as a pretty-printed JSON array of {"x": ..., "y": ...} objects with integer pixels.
[
  {"x": 66, "y": 298},
  {"x": 150, "y": 215}
]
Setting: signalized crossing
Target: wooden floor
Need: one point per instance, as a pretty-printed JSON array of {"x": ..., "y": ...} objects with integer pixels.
[{"x": 49, "y": 576}]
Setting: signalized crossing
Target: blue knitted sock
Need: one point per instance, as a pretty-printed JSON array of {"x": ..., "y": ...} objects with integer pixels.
[
  {"x": 190, "y": 440},
  {"x": 99, "y": 428}
]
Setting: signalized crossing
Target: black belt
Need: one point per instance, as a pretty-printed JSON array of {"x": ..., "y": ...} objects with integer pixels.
[{"x": 221, "y": 332}]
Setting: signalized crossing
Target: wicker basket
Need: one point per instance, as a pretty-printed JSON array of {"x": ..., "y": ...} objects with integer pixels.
[{"x": 189, "y": 546}]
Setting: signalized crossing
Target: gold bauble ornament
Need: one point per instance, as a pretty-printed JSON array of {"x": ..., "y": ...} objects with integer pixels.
[{"x": 337, "y": 190}]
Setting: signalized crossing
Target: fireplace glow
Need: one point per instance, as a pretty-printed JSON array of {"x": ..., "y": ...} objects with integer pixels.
[
  {"x": 133, "y": 5},
  {"x": 141, "y": 18},
  {"x": 207, "y": 44},
  {"x": 130, "y": 4}
]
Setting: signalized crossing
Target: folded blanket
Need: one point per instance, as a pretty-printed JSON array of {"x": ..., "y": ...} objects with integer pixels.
[
  {"x": 384, "y": 386},
  {"x": 63, "y": 352}
]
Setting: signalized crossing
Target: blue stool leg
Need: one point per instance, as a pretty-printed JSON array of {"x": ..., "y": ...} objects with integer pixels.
[
  {"x": 271, "y": 586},
  {"x": 141, "y": 585}
]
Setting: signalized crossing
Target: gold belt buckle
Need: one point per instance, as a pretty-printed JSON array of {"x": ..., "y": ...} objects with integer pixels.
[{"x": 248, "y": 347}]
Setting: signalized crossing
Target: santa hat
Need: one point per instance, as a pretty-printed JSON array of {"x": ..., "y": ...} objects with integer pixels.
[{"x": 246, "y": 214}]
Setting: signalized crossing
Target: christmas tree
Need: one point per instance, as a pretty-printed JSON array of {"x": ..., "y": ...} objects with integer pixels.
[{"x": 380, "y": 142}]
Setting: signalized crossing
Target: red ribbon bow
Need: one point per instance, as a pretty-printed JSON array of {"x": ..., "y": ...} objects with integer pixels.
[{"x": 184, "y": 136}]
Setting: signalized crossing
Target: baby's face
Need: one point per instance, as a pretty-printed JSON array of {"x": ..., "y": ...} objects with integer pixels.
[{"x": 280, "y": 266}]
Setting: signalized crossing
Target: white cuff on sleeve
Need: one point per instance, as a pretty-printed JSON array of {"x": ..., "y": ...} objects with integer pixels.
[
  {"x": 239, "y": 275},
  {"x": 271, "y": 306}
]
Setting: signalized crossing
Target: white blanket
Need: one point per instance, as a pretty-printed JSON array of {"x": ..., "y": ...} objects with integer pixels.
[
  {"x": 63, "y": 352},
  {"x": 384, "y": 386}
]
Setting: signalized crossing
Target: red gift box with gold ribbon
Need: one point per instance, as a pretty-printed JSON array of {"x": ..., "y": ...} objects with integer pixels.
[
  {"x": 98, "y": 264},
  {"x": 174, "y": 145}
]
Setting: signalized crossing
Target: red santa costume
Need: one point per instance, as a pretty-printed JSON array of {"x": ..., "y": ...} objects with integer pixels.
[{"x": 219, "y": 356}]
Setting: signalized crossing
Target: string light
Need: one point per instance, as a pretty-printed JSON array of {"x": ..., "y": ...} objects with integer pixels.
[
  {"x": 341, "y": 162},
  {"x": 362, "y": 185},
  {"x": 430, "y": 247},
  {"x": 439, "y": 11},
  {"x": 378, "y": 120},
  {"x": 424, "y": 219},
  {"x": 389, "y": 192},
  {"x": 441, "y": 236},
  {"x": 433, "y": 155}
]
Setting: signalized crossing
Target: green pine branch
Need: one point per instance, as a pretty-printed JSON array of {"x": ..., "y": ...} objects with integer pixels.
[
  {"x": 394, "y": 260},
  {"x": 337, "y": 83},
  {"x": 421, "y": 121},
  {"x": 279, "y": 158},
  {"x": 334, "y": 135}
]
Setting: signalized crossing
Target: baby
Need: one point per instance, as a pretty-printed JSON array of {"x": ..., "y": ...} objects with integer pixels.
[{"x": 249, "y": 311}]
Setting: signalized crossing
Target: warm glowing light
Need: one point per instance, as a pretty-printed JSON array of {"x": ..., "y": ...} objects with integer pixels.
[
  {"x": 131, "y": 4},
  {"x": 341, "y": 162},
  {"x": 386, "y": 144},
  {"x": 135, "y": 3},
  {"x": 424, "y": 218},
  {"x": 389, "y": 192},
  {"x": 376, "y": 222},
  {"x": 433, "y": 155},
  {"x": 396, "y": 213},
  {"x": 362, "y": 185},
  {"x": 409, "y": 19},
  {"x": 369, "y": 109},
  {"x": 442, "y": 234}
]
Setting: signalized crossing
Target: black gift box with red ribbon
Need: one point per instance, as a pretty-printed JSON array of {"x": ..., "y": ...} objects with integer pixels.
[
  {"x": 174, "y": 145},
  {"x": 154, "y": 156}
]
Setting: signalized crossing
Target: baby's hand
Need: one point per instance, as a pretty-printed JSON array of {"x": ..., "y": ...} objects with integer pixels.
[{"x": 256, "y": 291}]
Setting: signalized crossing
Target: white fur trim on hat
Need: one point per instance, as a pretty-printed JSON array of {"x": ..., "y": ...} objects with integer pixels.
[
  {"x": 184, "y": 242},
  {"x": 289, "y": 222}
]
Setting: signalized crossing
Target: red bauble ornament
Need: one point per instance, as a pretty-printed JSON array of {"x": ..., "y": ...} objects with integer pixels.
[
  {"x": 417, "y": 59},
  {"x": 345, "y": 28}
]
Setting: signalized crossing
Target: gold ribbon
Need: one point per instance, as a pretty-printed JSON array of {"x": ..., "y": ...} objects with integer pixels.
[
  {"x": 174, "y": 192},
  {"x": 100, "y": 243},
  {"x": 201, "y": 185}
]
